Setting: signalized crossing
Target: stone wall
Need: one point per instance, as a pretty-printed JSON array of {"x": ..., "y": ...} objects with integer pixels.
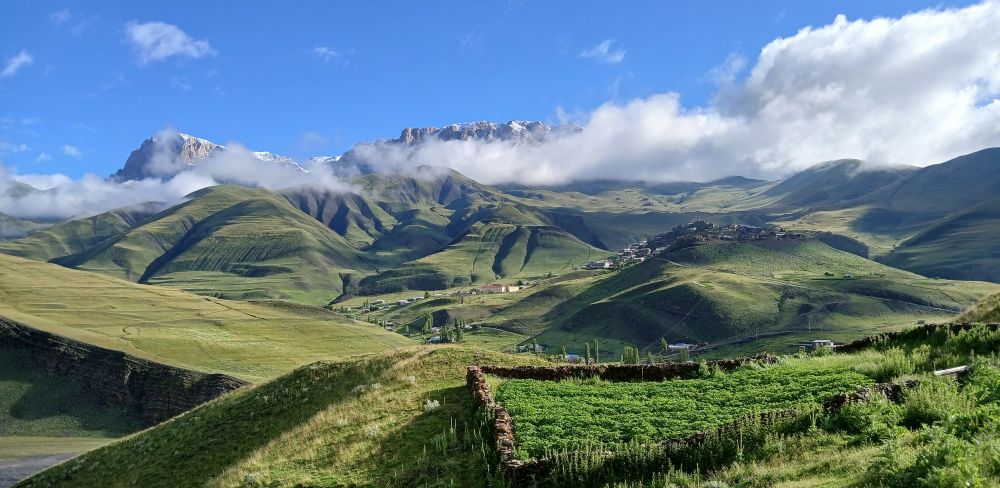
[
  {"x": 154, "y": 391},
  {"x": 619, "y": 372},
  {"x": 521, "y": 472}
]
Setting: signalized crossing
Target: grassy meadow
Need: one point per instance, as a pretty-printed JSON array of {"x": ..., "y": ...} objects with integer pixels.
[{"x": 252, "y": 341}]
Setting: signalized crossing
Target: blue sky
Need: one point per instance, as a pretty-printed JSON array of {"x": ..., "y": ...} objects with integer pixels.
[{"x": 319, "y": 76}]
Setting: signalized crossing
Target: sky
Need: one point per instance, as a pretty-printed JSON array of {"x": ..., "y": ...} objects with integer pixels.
[
  {"x": 663, "y": 91},
  {"x": 79, "y": 90}
]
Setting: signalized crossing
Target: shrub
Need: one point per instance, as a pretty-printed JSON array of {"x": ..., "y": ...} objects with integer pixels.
[
  {"x": 873, "y": 421},
  {"x": 431, "y": 406},
  {"x": 935, "y": 400},
  {"x": 946, "y": 461}
]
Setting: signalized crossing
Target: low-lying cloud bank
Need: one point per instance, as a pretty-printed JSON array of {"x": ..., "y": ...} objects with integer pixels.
[
  {"x": 919, "y": 89},
  {"x": 62, "y": 197}
]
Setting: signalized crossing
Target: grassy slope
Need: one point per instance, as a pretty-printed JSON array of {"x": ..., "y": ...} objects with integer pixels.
[
  {"x": 311, "y": 427},
  {"x": 960, "y": 246},
  {"x": 247, "y": 340},
  {"x": 75, "y": 236},
  {"x": 316, "y": 427},
  {"x": 228, "y": 241},
  {"x": 776, "y": 293},
  {"x": 987, "y": 311}
]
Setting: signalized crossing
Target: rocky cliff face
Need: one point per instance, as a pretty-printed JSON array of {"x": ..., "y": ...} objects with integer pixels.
[
  {"x": 527, "y": 131},
  {"x": 358, "y": 160},
  {"x": 166, "y": 154},
  {"x": 156, "y": 392}
]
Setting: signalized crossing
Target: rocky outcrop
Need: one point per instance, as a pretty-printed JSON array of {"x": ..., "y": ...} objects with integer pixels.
[
  {"x": 168, "y": 153},
  {"x": 154, "y": 391}
]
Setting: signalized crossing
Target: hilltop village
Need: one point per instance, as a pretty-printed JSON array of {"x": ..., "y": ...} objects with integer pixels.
[{"x": 689, "y": 234}]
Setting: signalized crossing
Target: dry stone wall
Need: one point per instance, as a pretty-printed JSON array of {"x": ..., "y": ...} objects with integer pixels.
[{"x": 522, "y": 472}]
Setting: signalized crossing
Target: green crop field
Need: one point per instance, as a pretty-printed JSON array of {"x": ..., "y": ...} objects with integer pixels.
[
  {"x": 253, "y": 341},
  {"x": 567, "y": 415}
]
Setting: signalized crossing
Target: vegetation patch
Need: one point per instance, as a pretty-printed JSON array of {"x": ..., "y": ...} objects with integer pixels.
[{"x": 573, "y": 414}]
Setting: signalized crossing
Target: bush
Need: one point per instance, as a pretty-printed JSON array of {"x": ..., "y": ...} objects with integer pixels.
[
  {"x": 946, "y": 461},
  {"x": 935, "y": 400},
  {"x": 873, "y": 421},
  {"x": 431, "y": 406}
]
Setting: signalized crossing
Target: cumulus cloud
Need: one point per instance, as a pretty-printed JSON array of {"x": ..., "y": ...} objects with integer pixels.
[
  {"x": 919, "y": 89},
  {"x": 64, "y": 197},
  {"x": 608, "y": 51},
  {"x": 156, "y": 41},
  {"x": 16, "y": 63}
]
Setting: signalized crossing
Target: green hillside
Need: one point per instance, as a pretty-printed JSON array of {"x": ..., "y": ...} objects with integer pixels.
[
  {"x": 14, "y": 228},
  {"x": 76, "y": 236},
  {"x": 407, "y": 418},
  {"x": 253, "y": 341},
  {"x": 751, "y": 296},
  {"x": 987, "y": 311},
  {"x": 959, "y": 246},
  {"x": 225, "y": 241}
]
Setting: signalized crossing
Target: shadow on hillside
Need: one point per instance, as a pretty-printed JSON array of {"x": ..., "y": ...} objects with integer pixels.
[{"x": 422, "y": 453}]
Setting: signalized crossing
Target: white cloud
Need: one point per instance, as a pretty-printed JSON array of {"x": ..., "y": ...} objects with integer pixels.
[
  {"x": 608, "y": 51},
  {"x": 327, "y": 54},
  {"x": 16, "y": 63},
  {"x": 919, "y": 89},
  {"x": 13, "y": 148},
  {"x": 76, "y": 23},
  {"x": 71, "y": 150},
  {"x": 43, "y": 157},
  {"x": 156, "y": 41},
  {"x": 66, "y": 197}
]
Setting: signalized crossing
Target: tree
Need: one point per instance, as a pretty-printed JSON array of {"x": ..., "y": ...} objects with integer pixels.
[
  {"x": 663, "y": 344},
  {"x": 428, "y": 324},
  {"x": 630, "y": 355},
  {"x": 458, "y": 333},
  {"x": 587, "y": 357},
  {"x": 564, "y": 356},
  {"x": 597, "y": 350},
  {"x": 650, "y": 359},
  {"x": 427, "y": 294}
]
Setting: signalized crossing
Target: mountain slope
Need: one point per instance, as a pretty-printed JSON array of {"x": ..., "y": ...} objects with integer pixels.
[
  {"x": 226, "y": 241},
  {"x": 959, "y": 246},
  {"x": 75, "y": 236},
  {"x": 834, "y": 182},
  {"x": 943, "y": 188},
  {"x": 169, "y": 153}
]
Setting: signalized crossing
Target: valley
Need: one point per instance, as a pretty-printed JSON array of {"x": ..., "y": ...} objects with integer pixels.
[{"x": 284, "y": 291}]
